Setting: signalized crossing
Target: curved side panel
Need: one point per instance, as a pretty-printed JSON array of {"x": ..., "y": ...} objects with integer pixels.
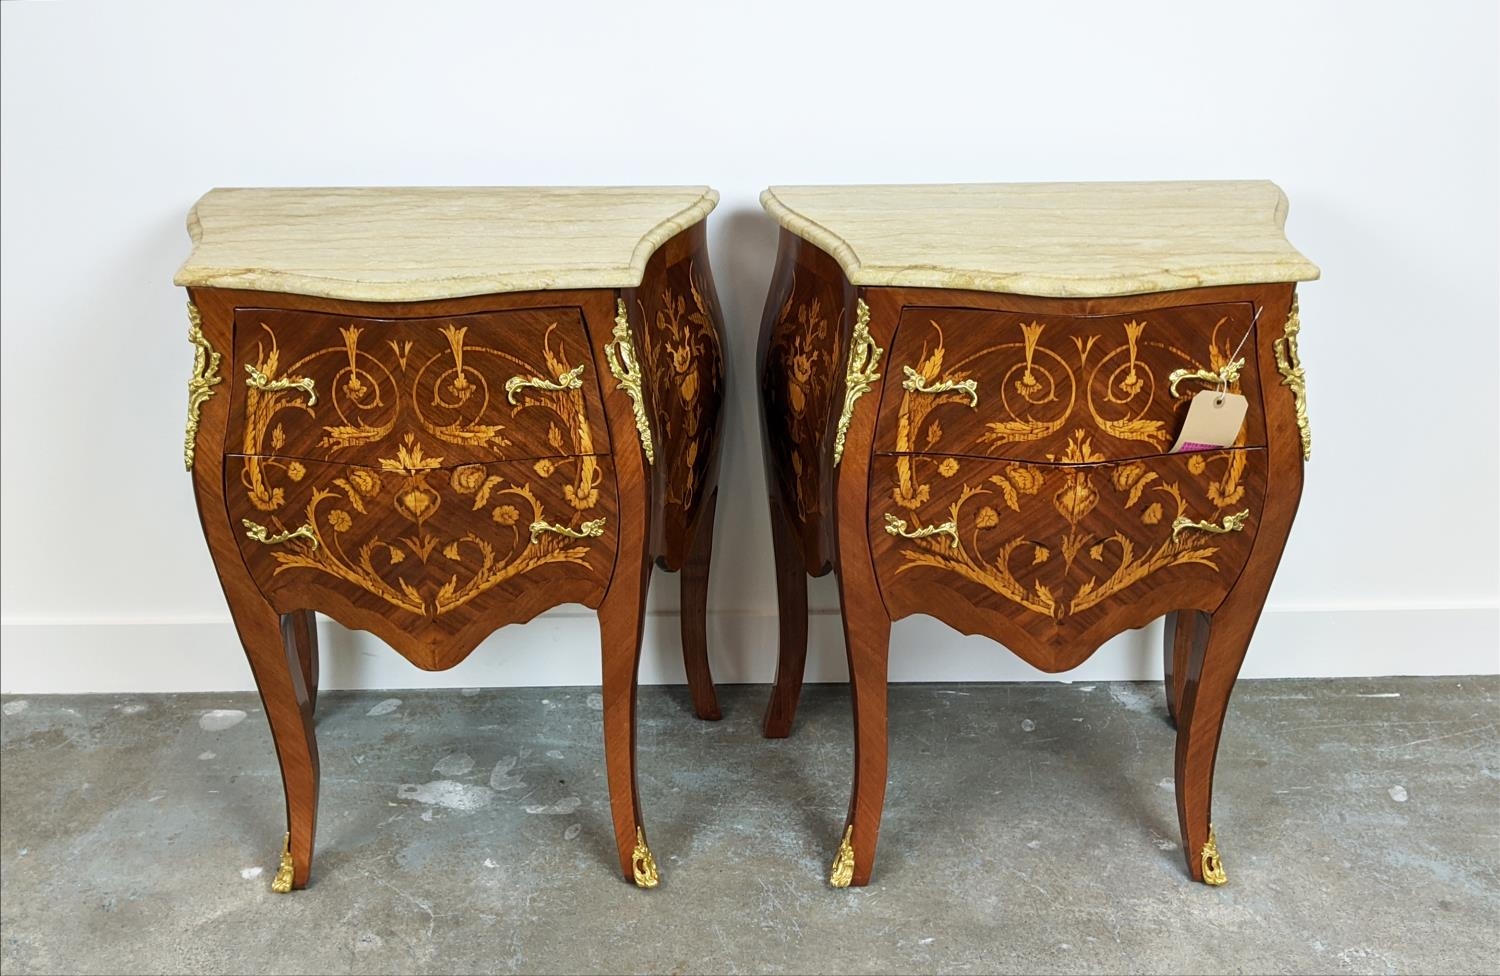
[
  {"x": 800, "y": 362},
  {"x": 682, "y": 350}
]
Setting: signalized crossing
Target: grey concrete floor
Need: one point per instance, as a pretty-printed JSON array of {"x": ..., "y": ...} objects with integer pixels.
[{"x": 1028, "y": 828}]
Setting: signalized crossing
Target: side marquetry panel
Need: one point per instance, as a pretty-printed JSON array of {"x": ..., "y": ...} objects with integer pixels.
[
  {"x": 683, "y": 357},
  {"x": 801, "y": 368},
  {"x": 1051, "y": 560},
  {"x": 488, "y": 386},
  {"x": 1018, "y": 385}
]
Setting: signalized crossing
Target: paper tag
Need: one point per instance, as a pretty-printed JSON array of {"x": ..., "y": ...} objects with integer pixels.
[{"x": 1213, "y": 421}]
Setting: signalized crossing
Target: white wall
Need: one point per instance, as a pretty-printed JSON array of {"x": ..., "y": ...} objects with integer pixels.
[{"x": 1378, "y": 119}]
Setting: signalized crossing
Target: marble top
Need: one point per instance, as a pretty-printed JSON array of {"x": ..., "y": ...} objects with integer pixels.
[
  {"x": 388, "y": 244},
  {"x": 1059, "y": 240}
]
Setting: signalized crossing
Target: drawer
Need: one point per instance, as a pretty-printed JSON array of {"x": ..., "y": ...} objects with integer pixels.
[
  {"x": 1060, "y": 548},
  {"x": 1004, "y": 384},
  {"x": 415, "y": 540},
  {"x": 491, "y": 386}
]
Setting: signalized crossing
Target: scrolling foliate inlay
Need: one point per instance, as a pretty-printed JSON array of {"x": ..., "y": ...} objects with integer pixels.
[
  {"x": 443, "y": 385},
  {"x": 1046, "y": 378},
  {"x": 1030, "y": 516},
  {"x": 378, "y": 528}
]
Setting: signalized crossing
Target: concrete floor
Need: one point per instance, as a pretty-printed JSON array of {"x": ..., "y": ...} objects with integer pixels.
[{"x": 1028, "y": 828}]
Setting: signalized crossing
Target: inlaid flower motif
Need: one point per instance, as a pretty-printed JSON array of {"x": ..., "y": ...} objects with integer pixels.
[
  {"x": 544, "y": 468},
  {"x": 1197, "y": 463},
  {"x": 948, "y": 468},
  {"x": 1028, "y": 480},
  {"x": 1152, "y": 514},
  {"x": 1128, "y": 474},
  {"x": 451, "y": 551},
  {"x": 418, "y": 502},
  {"x": 295, "y": 471},
  {"x": 365, "y": 481},
  {"x": 1080, "y": 449},
  {"x": 340, "y": 520},
  {"x": 507, "y": 515},
  {"x": 1076, "y": 499},
  {"x": 409, "y": 458},
  {"x": 586, "y": 498},
  {"x": 912, "y": 499},
  {"x": 468, "y": 479},
  {"x": 987, "y": 518},
  {"x": 1222, "y": 498}
]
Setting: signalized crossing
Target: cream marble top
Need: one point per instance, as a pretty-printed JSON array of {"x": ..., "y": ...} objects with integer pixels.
[
  {"x": 411, "y": 244},
  {"x": 1062, "y": 240}
]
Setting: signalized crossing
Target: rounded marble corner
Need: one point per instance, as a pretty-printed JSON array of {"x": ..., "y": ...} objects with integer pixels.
[{"x": 657, "y": 236}]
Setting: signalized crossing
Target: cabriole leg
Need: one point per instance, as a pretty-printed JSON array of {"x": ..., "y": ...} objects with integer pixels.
[
  {"x": 867, "y": 638},
  {"x": 1210, "y": 678},
  {"x": 621, "y": 619},
  {"x": 300, "y": 628},
  {"x": 1183, "y": 629},
  {"x": 695, "y": 615},
  {"x": 791, "y": 611},
  {"x": 277, "y": 665}
]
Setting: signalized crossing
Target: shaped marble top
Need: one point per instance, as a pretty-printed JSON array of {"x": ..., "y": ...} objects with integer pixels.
[
  {"x": 1059, "y": 240},
  {"x": 412, "y": 244}
]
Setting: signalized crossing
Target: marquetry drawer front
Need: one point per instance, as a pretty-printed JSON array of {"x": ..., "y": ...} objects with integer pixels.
[
  {"x": 485, "y": 387},
  {"x": 1058, "y": 547},
  {"x": 1004, "y": 384},
  {"x": 410, "y": 540}
]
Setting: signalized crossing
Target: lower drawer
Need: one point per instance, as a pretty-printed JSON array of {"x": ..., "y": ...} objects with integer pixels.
[
  {"x": 1061, "y": 557},
  {"x": 416, "y": 543}
]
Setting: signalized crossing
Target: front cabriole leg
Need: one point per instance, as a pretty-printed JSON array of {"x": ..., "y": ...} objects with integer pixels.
[
  {"x": 271, "y": 642},
  {"x": 1215, "y": 662},
  {"x": 867, "y": 624},
  {"x": 622, "y": 612}
]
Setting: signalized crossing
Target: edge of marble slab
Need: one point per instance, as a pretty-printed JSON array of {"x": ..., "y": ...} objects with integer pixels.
[
  {"x": 438, "y": 288},
  {"x": 1039, "y": 284}
]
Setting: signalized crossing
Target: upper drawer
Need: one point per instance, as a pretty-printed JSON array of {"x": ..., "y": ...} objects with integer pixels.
[
  {"x": 1004, "y": 384},
  {"x": 458, "y": 389}
]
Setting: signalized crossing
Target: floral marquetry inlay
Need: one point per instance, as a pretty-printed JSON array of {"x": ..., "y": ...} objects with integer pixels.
[
  {"x": 413, "y": 534},
  {"x": 1058, "y": 539},
  {"x": 686, "y": 370},
  {"x": 800, "y": 363}
]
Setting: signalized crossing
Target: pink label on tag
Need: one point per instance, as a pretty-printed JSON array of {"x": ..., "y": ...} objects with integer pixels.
[{"x": 1193, "y": 446}]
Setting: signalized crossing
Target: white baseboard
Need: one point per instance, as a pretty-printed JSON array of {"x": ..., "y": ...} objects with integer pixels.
[{"x": 561, "y": 648}]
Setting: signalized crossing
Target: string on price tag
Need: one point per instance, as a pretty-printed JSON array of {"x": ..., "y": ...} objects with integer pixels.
[{"x": 1215, "y": 417}]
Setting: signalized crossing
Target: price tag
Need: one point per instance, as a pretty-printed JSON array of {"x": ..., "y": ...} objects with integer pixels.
[{"x": 1213, "y": 421}]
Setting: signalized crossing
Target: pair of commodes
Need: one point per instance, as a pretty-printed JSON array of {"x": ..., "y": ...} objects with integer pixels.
[{"x": 429, "y": 413}]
